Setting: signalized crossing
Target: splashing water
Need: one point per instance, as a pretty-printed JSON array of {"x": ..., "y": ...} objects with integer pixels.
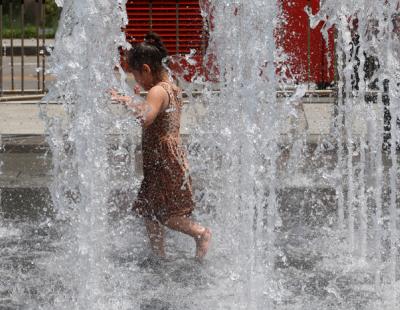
[
  {"x": 368, "y": 63},
  {"x": 362, "y": 178},
  {"x": 245, "y": 181},
  {"x": 83, "y": 62},
  {"x": 297, "y": 224}
]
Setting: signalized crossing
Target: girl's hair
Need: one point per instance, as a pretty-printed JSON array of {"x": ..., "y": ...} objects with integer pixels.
[{"x": 151, "y": 52}]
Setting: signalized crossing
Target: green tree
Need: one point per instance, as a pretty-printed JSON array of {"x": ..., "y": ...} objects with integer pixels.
[
  {"x": 52, "y": 14},
  {"x": 31, "y": 16},
  {"x": 51, "y": 9}
]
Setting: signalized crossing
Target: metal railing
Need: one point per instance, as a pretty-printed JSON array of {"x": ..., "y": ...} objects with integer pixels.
[{"x": 23, "y": 59}]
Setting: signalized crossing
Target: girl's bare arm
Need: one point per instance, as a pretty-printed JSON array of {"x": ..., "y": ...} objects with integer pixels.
[{"x": 146, "y": 111}]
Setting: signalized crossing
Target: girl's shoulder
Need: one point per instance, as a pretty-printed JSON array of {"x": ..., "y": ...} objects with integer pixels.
[
  {"x": 158, "y": 89},
  {"x": 169, "y": 84},
  {"x": 170, "y": 88}
]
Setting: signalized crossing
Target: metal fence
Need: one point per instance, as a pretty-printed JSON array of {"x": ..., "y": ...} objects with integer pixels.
[{"x": 23, "y": 60}]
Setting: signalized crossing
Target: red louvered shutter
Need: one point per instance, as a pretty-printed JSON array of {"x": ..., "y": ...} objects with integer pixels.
[
  {"x": 180, "y": 25},
  {"x": 178, "y": 22}
]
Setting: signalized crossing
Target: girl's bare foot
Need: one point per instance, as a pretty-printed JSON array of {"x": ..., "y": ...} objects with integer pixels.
[{"x": 202, "y": 244}]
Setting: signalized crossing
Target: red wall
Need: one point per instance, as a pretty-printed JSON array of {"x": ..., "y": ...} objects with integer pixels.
[
  {"x": 180, "y": 25},
  {"x": 162, "y": 17},
  {"x": 292, "y": 36}
]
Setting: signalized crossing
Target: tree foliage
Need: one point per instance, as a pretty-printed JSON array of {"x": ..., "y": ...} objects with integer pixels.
[
  {"x": 52, "y": 13},
  {"x": 32, "y": 13},
  {"x": 51, "y": 9}
]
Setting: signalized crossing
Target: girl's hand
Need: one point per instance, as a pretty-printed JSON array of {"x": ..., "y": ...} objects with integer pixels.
[
  {"x": 137, "y": 109},
  {"x": 115, "y": 96},
  {"x": 137, "y": 89},
  {"x": 146, "y": 112}
]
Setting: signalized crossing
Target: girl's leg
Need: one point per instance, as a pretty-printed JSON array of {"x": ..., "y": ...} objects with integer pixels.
[
  {"x": 201, "y": 235},
  {"x": 155, "y": 232}
]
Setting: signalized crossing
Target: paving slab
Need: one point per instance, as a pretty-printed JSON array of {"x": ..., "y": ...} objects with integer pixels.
[
  {"x": 25, "y": 170},
  {"x": 23, "y": 119}
]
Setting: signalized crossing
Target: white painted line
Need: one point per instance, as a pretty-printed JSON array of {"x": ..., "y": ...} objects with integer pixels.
[{"x": 25, "y": 63}]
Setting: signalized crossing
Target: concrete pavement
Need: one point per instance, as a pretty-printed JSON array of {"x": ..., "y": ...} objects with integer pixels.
[{"x": 23, "y": 118}]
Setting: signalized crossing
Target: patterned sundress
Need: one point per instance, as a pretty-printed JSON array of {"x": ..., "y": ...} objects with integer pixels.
[{"x": 166, "y": 189}]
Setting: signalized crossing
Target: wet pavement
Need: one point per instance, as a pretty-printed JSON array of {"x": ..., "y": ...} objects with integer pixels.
[{"x": 313, "y": 268}]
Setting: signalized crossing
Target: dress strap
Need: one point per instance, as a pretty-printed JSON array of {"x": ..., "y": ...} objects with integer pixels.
[{"x": 168, "y": 88}]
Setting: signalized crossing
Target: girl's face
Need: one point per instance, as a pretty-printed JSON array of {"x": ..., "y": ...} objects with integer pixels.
[{"x": 144, "y": 77}]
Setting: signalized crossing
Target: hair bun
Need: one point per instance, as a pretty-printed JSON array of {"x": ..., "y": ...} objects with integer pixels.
[{"x": 154, "y": 39}]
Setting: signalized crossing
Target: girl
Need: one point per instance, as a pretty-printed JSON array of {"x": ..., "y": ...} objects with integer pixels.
[{"x": 165, "y": 196}]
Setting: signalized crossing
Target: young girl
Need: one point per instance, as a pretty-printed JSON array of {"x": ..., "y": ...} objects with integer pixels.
[{"x": 165, "y": 196}]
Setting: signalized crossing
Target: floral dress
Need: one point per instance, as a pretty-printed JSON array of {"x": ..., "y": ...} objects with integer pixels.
[{"x": 166, "y": 189}]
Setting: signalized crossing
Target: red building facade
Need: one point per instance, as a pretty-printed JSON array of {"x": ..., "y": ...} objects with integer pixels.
[{"x": 180, "y": 24}]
